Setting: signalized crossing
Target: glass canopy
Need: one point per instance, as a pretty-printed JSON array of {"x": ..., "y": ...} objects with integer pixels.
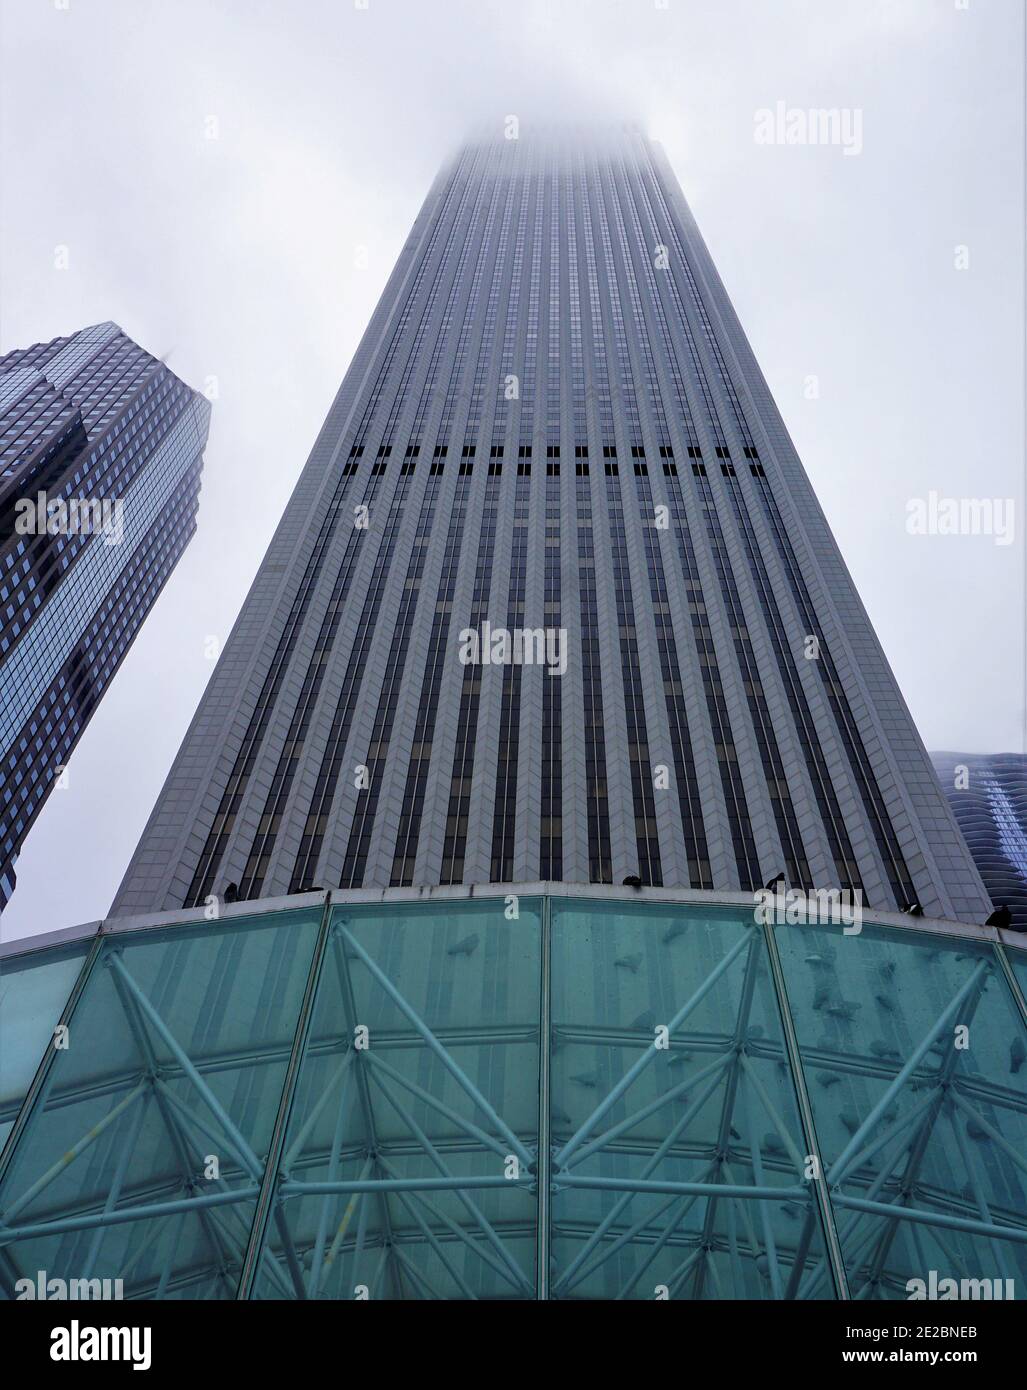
[{"x": 513, "y": 1097}]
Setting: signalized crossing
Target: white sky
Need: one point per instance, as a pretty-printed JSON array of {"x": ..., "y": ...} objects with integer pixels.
[{"x": 237, "y": 257}]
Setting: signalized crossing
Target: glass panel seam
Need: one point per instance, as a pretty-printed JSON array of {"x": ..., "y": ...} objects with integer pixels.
[
  {"x": 39, "y": 1080},
  {"x": 831, "y": 1241},
  {"x": 269, "y": 1183},
  {"x": 1011, "y": 980},
  {"x": 545, "y": 1155}
]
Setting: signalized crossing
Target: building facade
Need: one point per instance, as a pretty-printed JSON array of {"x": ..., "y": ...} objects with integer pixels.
[
  {"x": 554, "y": 427},
  {"x": 988, "y": 796},
  {"x": 101, "y": 448}
]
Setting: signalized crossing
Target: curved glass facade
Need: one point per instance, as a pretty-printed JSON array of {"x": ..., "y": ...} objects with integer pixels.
[
  {"x": 988, "y": 796},
  {"x": 542, "y": 1096}
]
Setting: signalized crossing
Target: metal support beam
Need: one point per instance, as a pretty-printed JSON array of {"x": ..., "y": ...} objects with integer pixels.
[
  {"x": 543, "y": 1172},
  {"x": 459, "y": 1185},
  {"x": 701, "y": 1189},
  {"x": 1009, "y": 974},
  {"x": 143, "y": 1212},
  {"x": 564, "y": 1180},
  {"x": 832, "y": 1244},
  {"x": 34, "y": 1102},
  {"x": 67, "y": 1158},
  {"x": 652, "y": 1051},
  {"x": 443, "y": 1055},
  {"x": 842, "y": 1163},
  {"x": 249, "y": 1159},
  {"x": 946, "y": 1220},
  {"x": 266, "y": 1199}
]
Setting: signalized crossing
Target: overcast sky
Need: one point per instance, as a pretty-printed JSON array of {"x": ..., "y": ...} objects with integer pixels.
[{"x": 237, "y": 256}]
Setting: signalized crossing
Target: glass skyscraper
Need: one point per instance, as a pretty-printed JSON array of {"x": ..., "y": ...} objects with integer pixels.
[
  {"x": 988, "y": 796},
  {"x": 443, "y": 967},
  {"x": 100, "y": 457}
]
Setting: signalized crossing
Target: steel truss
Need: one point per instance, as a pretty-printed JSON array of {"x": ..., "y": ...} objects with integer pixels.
[{"x": 382, "y": 1204}]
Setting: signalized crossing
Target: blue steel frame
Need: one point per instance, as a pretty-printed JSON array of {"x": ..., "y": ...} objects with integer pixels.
[{"x": 387, "y": 1169}]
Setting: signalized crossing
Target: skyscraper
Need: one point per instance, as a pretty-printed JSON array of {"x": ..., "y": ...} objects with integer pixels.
[
  {"x": 988, "y": 796},
  {"x": 100, "y": 457},
  {"x": 533, "y": 1036},
  {"x": 554, "y": 426}
]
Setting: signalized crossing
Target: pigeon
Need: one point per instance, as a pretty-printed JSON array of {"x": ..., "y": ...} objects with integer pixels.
[
  {"x": 1001, "y": 917},
  {"x": 464, "y": 947},
  {"x": 1017, "y": 1055},
  {"x": 631, "y": 962},
  {"x": 913, "y": 909},
  {"x": 231, "y": 894},
  {"x": 632, "y": 881},
  {"x": 772, "y": 1143},
  {"x": 883, "y": 1002},
  {"x": 828, "y": 1079},
  {"x": 777, "y": 880}
]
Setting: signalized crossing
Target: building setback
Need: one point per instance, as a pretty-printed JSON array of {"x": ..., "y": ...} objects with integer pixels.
[
  {"x": 554, "y": 421},
  {"x": 101, "y": 449}
]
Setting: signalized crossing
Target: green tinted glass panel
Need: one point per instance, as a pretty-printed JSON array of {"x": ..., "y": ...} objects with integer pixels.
[
  {"x": 914, "y": 1057},
  {"x": 706, "y": 1127},
  {"x": 141, "y": 1158},
  {"x": 676, "y": 1140},
  {"x": 420, "y": 1081},
  {"x": 33, "y": 991},
  {"x": 1018, "y": 960}
]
